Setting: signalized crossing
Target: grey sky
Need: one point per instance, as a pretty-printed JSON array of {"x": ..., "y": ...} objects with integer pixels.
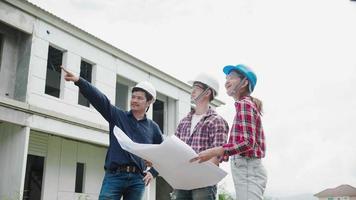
[{"x": 303, "y": 52}]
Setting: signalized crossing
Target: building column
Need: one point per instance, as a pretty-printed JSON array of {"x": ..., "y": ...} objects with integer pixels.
[{"x": 13, "y": 156}]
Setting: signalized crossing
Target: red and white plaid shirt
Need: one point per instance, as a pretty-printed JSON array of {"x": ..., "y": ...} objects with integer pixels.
[
  {"x": 246, "y": 138},
  {"x": 211, "y": 131}
]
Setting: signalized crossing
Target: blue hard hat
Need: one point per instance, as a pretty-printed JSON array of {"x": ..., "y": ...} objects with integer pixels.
[{"x": 245, "y": 71}]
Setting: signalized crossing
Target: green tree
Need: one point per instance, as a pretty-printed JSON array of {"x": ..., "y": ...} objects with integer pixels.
[{"x": 224, "y": 194}]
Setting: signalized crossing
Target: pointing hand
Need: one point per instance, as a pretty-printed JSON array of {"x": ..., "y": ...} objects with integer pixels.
[{"x": 69, "y": 76}]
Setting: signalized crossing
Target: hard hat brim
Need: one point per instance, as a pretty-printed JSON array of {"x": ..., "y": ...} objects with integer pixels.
[
  {"x": 191, "y": 83},
  {"x": 229, "y": 68},
  {"x": 242, "y": 70}
]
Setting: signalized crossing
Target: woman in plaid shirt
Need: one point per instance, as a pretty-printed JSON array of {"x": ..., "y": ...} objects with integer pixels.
[{"x": 246, "y": 144}]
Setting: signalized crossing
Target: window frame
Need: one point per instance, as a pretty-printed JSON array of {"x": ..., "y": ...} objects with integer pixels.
[
  {"x": 80, "y": 178},
  {"x": 30, "y": 161},
  {"x": 164, "y": 99},
  {"x": 126, "y": 82},
  {"x": 2, "y": 39},
  {"x": 80, "y": 96},
  {"x": 63, "y": 51}
]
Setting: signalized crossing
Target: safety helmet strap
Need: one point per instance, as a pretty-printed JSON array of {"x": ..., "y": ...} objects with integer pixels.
[
  {"x": 238, "y": 86},
  {"x": 195, "y": 100}
]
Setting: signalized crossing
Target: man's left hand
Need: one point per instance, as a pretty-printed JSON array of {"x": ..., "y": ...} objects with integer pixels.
[{"x": 148, "y": 177}]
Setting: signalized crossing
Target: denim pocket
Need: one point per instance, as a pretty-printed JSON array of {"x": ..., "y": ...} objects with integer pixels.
[{"x": 240, "y": 162}]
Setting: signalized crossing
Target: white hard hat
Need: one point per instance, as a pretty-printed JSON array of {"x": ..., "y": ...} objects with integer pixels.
[
  {"x": 148, "y": 87},
  {"x": 207, "y": 80}
]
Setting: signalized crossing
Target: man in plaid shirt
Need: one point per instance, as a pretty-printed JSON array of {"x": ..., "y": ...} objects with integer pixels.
[
  {"x": 246, "y": 145},
  {"x": 202, "y": 129}
]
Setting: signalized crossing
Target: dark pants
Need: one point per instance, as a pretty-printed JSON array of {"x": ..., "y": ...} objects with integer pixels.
[
  {"x": 206, "y": 193},
  {"x": 115, "y": 185}
]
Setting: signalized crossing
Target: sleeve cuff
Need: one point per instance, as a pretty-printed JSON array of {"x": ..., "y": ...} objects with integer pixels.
[
  {"x": 153, "y": 172},
  {"x": 79, "y": 82},
  {"x": 225, "y": 156}
]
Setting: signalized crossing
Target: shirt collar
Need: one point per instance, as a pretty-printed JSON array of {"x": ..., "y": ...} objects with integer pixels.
[
  {"x": 246, "y": 98},
  {"x": 242, "y": 98},
  {"x": 208, "y": 113},
  {"x": 131, "y": 115}
]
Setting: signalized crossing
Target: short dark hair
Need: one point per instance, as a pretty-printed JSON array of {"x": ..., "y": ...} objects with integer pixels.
[
  {"x": 148, "y": 96},
  {"x": 212, "y": 94}
]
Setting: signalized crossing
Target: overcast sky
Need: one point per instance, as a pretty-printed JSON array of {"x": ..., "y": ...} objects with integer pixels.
[{"x": 302, "y": 51}]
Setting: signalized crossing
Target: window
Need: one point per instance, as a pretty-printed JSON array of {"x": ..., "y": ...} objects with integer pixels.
[
  {"x": 33, "y": 177},
  {"x": 53, "y": 76},
  {"x": 163, "y": 189},
  {"x": 122, "y": 92},
  {"x": 86, "y": 73},
  {"x": 1, "y": 46},
  {"x": 158, "y": 113},
  {"x": 79, "y": 178}
]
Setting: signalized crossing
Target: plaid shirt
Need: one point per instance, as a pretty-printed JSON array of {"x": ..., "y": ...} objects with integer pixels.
[
  {"x": 247, "y": 138},
  {"x": 211, "y": 131}
]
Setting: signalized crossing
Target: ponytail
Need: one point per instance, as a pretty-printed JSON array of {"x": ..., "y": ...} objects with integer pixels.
[
  {"x": 246, "y": 92},
  {"x": 258, "y": 104}
]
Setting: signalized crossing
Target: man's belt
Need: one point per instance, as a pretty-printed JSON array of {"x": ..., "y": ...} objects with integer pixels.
[{"x": 126, "y": 168}]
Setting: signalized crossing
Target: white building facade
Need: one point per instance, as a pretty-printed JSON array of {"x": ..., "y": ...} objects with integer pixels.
[{"x": 52, "y": 142}]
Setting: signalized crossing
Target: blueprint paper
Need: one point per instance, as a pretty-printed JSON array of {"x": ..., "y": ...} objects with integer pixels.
[{"x": 171, "y": 160}]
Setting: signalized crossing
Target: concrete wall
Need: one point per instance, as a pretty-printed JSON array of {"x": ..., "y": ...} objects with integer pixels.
[
  {"x": 23, "y": 62},
  {"x": 16, "y": 18},
  {"x": 26, "y": 78},
  {"x": 16, "y": 26},
  {"x": 13, "y": 156},
  {"x": 14, "y": 62},
  {"x": 106, "y": 68},
  {"x": 32, "y": 61},
  {"x": 60, "y": 168},
  {"x": 9, "y": 60}
]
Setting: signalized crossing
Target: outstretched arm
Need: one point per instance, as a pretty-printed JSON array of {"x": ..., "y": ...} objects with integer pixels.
[
  {"x": 69, "y": 76},
  {"x": 100, "y": 102}
]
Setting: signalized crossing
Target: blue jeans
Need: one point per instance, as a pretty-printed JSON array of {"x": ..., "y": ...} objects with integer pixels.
[
  {"x": 115, "y": 185},
  {"x": 205, "y": 193}
]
